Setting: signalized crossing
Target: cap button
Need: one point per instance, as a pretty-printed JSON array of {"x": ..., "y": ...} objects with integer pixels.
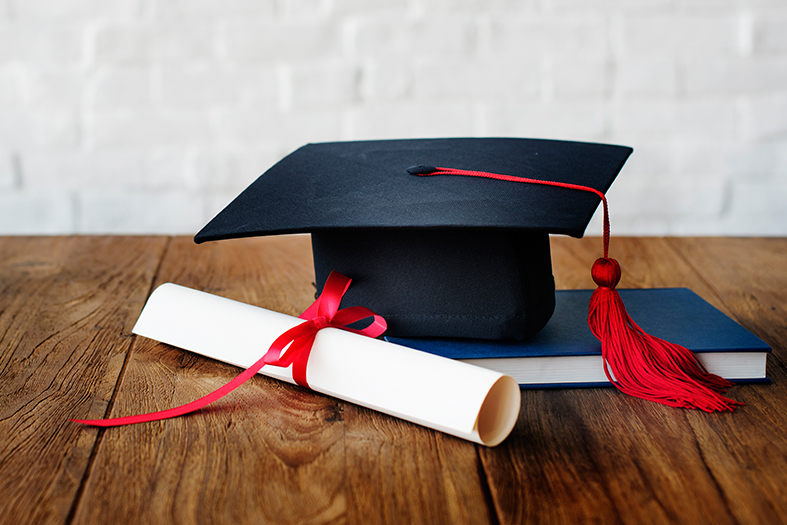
[{"x": 421, "y": 170}]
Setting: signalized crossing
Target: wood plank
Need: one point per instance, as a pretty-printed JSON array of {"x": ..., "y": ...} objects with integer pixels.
[
  {"x": 598, "y": 455},
  {"x": 750, "y": 278},
  {"x": 269, "y": 452},
  {"x": 67, "y": 306},
  {"x": 748, "y": 454},
  {"x": 398, "y": 472}
]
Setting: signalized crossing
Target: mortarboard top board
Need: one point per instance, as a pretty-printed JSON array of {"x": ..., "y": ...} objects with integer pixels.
[{"x": 435, "y": 256}]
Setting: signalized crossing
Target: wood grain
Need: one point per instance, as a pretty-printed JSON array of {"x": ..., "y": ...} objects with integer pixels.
[
  {"x": 398, "y": 472},
  {"x": 596, "y": 455},
  {"x": 272, "y": 452},
  {"x": 67, "y": 306},
  {"x": 750, "y": 277},
  {"x": 269, "y": 452}
]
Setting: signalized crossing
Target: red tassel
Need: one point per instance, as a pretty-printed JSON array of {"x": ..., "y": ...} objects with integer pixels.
[
  {"x": 644, "y": 366},
  {"x": 636, "y": 363}
]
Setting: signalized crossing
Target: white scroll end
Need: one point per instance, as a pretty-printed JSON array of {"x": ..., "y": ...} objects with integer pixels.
[{"x": 499, "y": 411}]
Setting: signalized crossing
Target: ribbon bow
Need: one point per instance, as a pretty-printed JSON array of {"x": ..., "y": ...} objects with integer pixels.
[
  {"x": 290, "y": 348},
  {"x": 323, "y": 313}
]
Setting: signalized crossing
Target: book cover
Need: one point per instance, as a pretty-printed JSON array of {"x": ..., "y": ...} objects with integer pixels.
[{"x": 566, "y": 354}]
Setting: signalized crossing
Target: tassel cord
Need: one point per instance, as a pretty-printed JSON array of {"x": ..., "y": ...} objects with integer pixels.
[{"x": 635, "y": 362}]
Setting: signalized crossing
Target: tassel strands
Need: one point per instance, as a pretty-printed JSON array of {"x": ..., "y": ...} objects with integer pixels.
[
  {"x": 637, "y": 364},
  {"x": 645, "y": 366}
]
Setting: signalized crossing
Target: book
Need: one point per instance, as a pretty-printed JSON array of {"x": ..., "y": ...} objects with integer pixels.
[{"x": 567, "y": 354}]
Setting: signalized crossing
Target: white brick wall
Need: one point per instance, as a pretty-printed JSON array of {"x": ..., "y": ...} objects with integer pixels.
[{"x": 148, "y": 116}]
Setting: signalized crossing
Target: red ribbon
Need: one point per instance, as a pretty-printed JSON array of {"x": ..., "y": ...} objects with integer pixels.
[{"x": 290, "y": 348}]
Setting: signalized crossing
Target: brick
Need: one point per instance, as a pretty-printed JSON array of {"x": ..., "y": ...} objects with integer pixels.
[
  {"x": 129, "y": 44},
  {"x": 9, "y": 177},
  {"x": 412, "y": 120},
  {"x": 763, "y": 162},
  {"x": 108, "y": 108},
  {"x": 745, "y": 33},
  {"x": 765, "y": 118},
  {"x": 379, "y": 37},
  {"x": 197, "y": 86},
  {"x": 262, "y": 127},
  {"x": 324, "y": 84},
  {"x": 454, "y": 6},
  {"x": 256, "y": 160},
  {"x": 710, "y": 6},
  {"x": 755, "y": 74},
  {"x": 634, "y": 225},
  {"x": 124, "y": 129},
  {"x": 650, "y": 160},
  {"x": 213, "y": 170},
  {"x": 300, "y": 9},
  {"x": 733, "y": 160},
  {"x": 572, "y": 78},
  {"x": 356, "y": 7},
  {"x": 41, "y": 42},
  {"x": 386, "y": 80},
  {"x": 138, "y": 212},
  {"x": 645, "y": 76},
  {"x": 643, "y": 118},
  {"x": 35, "y": 212},
  {"x": 153, "y": 168},
  {"x": 765, "y": 3},
  {"x": 180, "y": 9},
  {"x": 259, "y": 86},
  {"x": 12, "y": 91},
  {"x": 444, "y": 36},
  {"x": 82, "y": 9},
  {"x": 644, "y": 207},
  {"x": 481, "y": 79},
  {"x": 228, "y": 171},
  {"x": 215, "y": 201},
  {"x": 549, "y": 36},
  {"x": 565, "y": 120},
  {"x": 683, "y": 34},
  {"x": 770, "y": 33},
  {"x": 280, "y": 40},
  {"x": 122, "y": 87},
  {"x": 54, "y": 87},
  {"x": 758, "y": 209},
  {"x": 709, "y": 118},
  {"x": 200, "y": 86},
  {"x": 703, "y": 159},
  {"x": 51, "y": 127},
  {"x": 617, "y": 5}
]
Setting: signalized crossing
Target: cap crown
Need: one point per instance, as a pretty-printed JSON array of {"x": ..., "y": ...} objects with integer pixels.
[{"x": 366, "y": 185}]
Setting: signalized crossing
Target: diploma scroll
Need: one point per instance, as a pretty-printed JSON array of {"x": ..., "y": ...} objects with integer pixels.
[{"x": 466, "y": 401}]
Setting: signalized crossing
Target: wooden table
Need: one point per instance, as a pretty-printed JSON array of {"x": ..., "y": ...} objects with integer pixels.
[{"x": 271, "y": 452}]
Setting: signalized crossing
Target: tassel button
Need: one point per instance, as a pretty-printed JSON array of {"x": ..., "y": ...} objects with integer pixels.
[{"x": 606, "y": 272}]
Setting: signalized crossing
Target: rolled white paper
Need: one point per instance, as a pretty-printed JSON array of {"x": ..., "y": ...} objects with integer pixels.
[{"x": 463, "y": 400}]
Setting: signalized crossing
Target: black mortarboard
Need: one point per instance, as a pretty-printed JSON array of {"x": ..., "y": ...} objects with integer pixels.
[{"x": 435, "y": 256}]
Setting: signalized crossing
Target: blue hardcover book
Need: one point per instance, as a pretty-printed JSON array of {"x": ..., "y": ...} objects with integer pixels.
[{"x": 566, "y": 354}]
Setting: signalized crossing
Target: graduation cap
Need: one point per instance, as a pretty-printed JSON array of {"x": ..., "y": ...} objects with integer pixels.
[
  {"x": 435, "y": 256},
  {"x": 463, "y": 255}
]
